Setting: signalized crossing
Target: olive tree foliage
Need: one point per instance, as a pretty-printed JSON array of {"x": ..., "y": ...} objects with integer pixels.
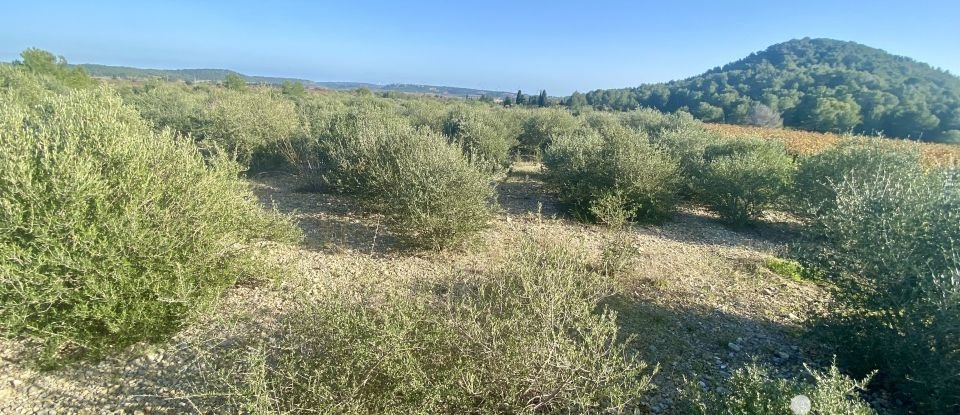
[
  {"x": 234, "y": 82},
  {"x": 461, "y": 345},
  {"x": 112, "y": 233},
  {"x": 249, "y": 125},
  {"x": 818, "y": 176},
  {"x": 890, "y": 241},
  {"x": 42, "y": 62},
  {"x": 482, "y": 134},
  {"x": 754, "y": 390},
  {"x": 542, "y": 127},
  {"x": 431, "y": 194},
  {"x": 607, "y": 166},
  {"x": 740, "y": 179}
]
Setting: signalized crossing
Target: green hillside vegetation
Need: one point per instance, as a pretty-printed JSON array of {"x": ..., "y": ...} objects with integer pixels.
[{"x": 811, "y": 84}]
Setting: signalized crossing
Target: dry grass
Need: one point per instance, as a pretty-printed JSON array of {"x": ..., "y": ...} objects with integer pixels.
[{"x": 808, "y": 142}]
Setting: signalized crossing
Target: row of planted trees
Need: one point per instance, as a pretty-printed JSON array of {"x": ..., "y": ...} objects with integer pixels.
[
  {"x": 149, "y": 175},
  {"x": 878, "y": 225},
  {"x": 430, "y": 167}
]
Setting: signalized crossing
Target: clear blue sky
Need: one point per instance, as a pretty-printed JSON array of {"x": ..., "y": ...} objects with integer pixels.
[{"x": 505, "y": 45}]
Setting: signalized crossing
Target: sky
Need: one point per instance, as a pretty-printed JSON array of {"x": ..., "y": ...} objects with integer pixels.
[{"x": 560, "y": 46}]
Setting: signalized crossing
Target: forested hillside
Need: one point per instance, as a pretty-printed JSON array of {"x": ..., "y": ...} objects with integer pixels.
[{"x": 813, "y": 84}]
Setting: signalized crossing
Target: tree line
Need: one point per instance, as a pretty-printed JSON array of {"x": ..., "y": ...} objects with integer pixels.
[{"x": 812, "y": 84}]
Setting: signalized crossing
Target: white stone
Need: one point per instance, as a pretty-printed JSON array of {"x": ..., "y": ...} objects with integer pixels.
[{"x": 800, "y": 405}]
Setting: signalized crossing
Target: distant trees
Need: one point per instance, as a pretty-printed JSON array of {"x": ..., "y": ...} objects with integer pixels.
[
  {"x": 577, "y": 101},
  {"x": 707, "y": 112},
  {"x": 825, "y": 113},
  {"x": 540, "y": 100},
  {"x": 815, "y": 84},
  {"x": 293, "y": 89},
  {"x": 234, "y": 82},
  {"x": 762, "y": 116},
  {"x": 363, "y": 91},
  {"x": 45, "y": 63},
  {"x": 507, "y": 101}
]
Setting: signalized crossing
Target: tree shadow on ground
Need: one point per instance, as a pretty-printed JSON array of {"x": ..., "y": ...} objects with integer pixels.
[
  {"x": 697, "y": 226},
  {"x": 523, "y": 192},
  {"x": 161, "y": 383},
  {"x": 329, "y": 222},
  {"x": 183, "y": 376},
  {"x": 695, "y": 344}
]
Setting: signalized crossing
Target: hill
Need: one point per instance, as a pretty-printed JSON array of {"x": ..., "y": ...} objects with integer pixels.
[
  {"x": 216, "y": 75},
  {"x": 813, "y": 84}
]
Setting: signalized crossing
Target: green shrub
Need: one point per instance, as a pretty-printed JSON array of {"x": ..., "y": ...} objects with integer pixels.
[
  {"x": 892, "y": 246},
  {"x": 169, "y": 105},
  {"x": 741, "y": 178},
  {"x": 531, "y": 338},
  {"x": 18, "y": 85},
  {"x": 654, "y": 122},
  {"x": 430, "y": 194},
  {"x": 542, "y": 127},
  {"x": 786, "y": 268},
  {"x": 110, "y": 233},
  {"x": 249, "y": 124},
  {"x": 482, "y": 135},
  {"x": 818, "y": 174},
  {"x": 687, "y": 145},
  {"x": 593, "y": 168},
  {"x": 602, "y": 120},
  {"x": 752, "y": 391},
  {"x": 252, "y": 125},
  {"x": 424, "y": 113}
]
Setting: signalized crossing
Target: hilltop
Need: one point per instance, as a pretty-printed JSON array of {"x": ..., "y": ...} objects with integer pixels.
[{"x": 812, "y": 84}]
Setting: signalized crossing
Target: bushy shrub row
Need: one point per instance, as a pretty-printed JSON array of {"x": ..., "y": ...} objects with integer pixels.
[
  {"x": 612, "y": 167},
  {"x": 891, "y": 242},
  {"x": 530, "y": 338},
  {"x": 482, "y": 134},
  {"x": 249, "y": 125},
  {"x": 614, "y": 159},
  {"x": 111, "y": 233},
  {"x": 541, "y": 127},
  {"x": 853, "y": 159},
  {"x": 884, "y": 229},
  {"x": 430, "y": 194},
  {"x": 739, "y": 179}
]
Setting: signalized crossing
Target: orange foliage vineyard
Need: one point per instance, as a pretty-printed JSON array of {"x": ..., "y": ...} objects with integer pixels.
[{"x": 800, "y": 142}]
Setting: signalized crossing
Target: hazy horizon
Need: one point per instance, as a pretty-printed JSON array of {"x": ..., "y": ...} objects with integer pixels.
[{"x": 557, "y": 46}]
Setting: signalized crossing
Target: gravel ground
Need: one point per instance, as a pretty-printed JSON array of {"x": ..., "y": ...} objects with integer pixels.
[{"x": 696, "y": 294}]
